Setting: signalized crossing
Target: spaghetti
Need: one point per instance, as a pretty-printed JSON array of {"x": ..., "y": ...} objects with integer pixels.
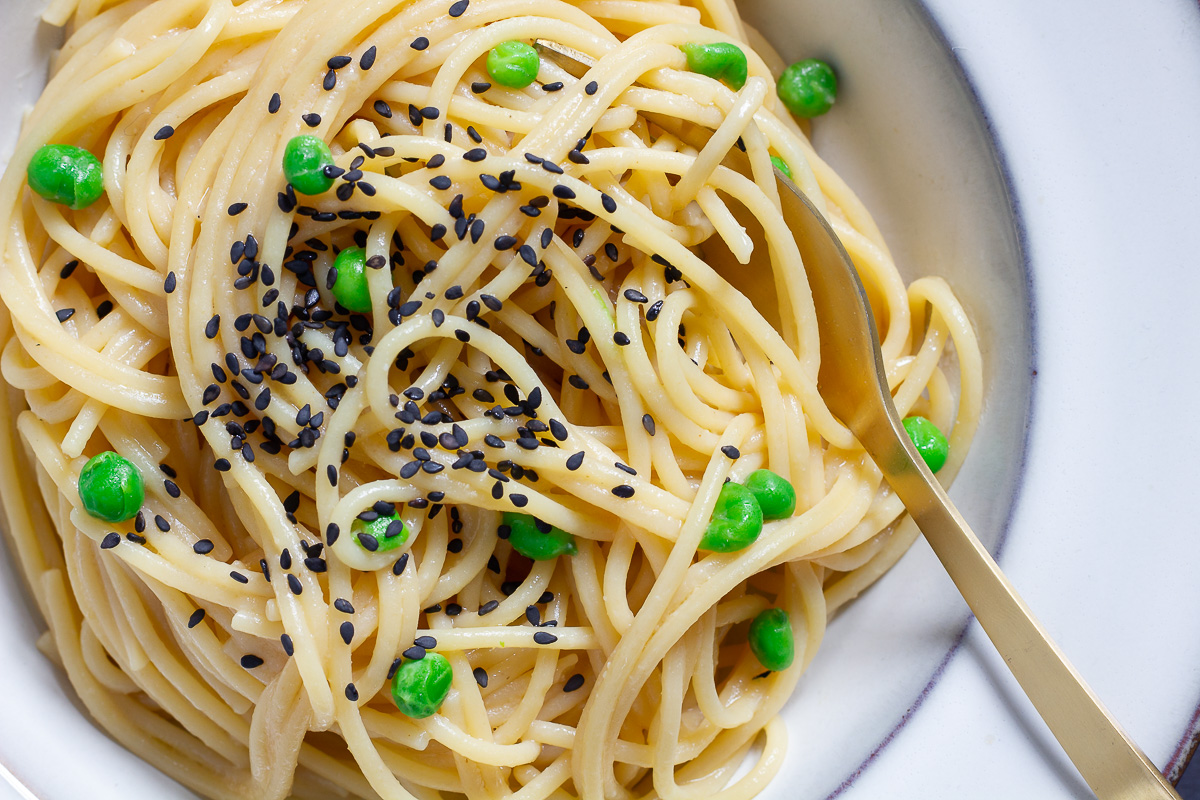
[{"x": 472, "y": 404}]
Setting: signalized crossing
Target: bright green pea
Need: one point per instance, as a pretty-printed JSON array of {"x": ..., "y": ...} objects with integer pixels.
[
  {"x": 420, "y": 687},
  {"x": 110, "y": 487},
  {"x": 304, "y": 161},
  {"x": 775, "y": 496},
  {"x": 736, "y": 520},
  {"x": 781, "y": 165},
  {"x": 67, "y": 175},
  {"x": 350, "y": 287},
  {"x": 513, "y": 64},
  {"x": 772, "y": 640},
  {"x": 808, "y": 88},
  {"x": 930, "y": 441},
  {"x": 378, "y": 529},
  {"x": 535, "y": 539},
  {"x": 718, "y": 60}
]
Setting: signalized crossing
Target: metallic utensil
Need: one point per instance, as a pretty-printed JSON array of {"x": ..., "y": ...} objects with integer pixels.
[{"x": 852, "y": 382}]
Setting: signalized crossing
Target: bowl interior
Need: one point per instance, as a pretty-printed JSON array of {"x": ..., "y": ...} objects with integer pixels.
[{"x": 910, "y": 137}]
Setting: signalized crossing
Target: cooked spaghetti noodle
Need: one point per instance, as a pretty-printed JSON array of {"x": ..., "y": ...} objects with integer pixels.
[{"x": 548, "y": 332}]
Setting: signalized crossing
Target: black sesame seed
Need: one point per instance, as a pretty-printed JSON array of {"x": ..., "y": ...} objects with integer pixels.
[
  {"x": 481, "y": 677},
  {"x": 474, "y": 134},
  {"x": 202, "y": 547},
  {"x": 251, "y": 661},
  {"x": 575, "y": 461},
  {"x": 110, "y": 540},
  {"x": 479, "y": 87},
  {"x": 731, "y": 452},
  {"x": 457, "y": 8},
  {"x": 621, "y": 338},
  {"x": 64, "y": 314},
  {"x": 564, "y": 192},
  {"x": 541, "y": 637},
  {"x": 634, "y": 296},
  {"x": 654, "y": 310},
  {"x": 239, "y": 577},
  {"x": 400, "y": 564},
  {"x": 343, "y": 605},
  {"x": 648, "y": 423},
  {"x": 368, "y": 58},
  {"x": 347, "y": 631},
  {"x": 623, "y": 491},
  {"x": 591, "y": 88},
  {"x": 274, "y": 103},
  {"x": 552, "y": 87},
  {"x": 330, "y": 80},
  {"x": 351, "y": 693},
  {"x": 383, "y": 109},
  {"x": 440, "y": 182},
  {"x": 196, "y": 618},
  {"x": 311, "y": 120},
  {"x": 504, "y": 242},
  {"x": 288, "y": 647},
  {"x": 294, "y": 584},
  {"x": 609, "y": 204},
  {"x": 573, "y": 683},
  {"x": 221, "y": 465},
  {"x": 414, "y": 653},
  {"x": 165, "y": 132},
  {"x": 488, "y": 607},
  {"x": 419, "y": 43},
  {"x": 337, "y": 62}
]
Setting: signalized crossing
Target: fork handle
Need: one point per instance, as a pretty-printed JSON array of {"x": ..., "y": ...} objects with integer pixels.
[{"x": 1113, "y": 766}]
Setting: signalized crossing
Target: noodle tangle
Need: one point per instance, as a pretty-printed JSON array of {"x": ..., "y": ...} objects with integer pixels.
[{"x": 583, "y": 325}]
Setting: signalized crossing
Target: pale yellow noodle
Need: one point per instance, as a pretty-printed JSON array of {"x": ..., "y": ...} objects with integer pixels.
[{"x": 646, "y": 687}]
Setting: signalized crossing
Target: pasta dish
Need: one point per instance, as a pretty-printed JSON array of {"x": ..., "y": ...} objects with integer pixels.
[{"x": 416, "y": 398}]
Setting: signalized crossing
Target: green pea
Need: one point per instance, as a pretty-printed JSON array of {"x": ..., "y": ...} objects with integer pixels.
[
  {"x": 775, "y": 496},
  {"x": 350, "y": 288},
  {"x": 718, "y": 60},
  {"x": 420, "y": 687},
  {"x": 930, "y": 441},
  {"x": 513, "y": 64},
  {"x": 378, "y": 529},
  {"x": 304, "y": 161},
  {"x": 110, "y": 487},
  {"x": 772, "y": 640},
  {"x": 781, "y": 165},
  {"x": 736, "y": 520},
  {"x": 808, "y": 88},
  {"x": 535, "y": 539},
  {"x": 67, "y": 175}
]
